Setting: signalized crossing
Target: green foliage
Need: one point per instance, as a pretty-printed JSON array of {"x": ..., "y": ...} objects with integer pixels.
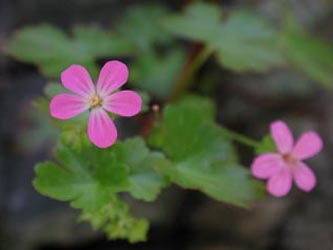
[
  {"x": 152, "y": 71},
  {"x": 52, "y": 50},
  {"x": 195, "y": 152},
  {"x": 141, "y": 25},
  {"x": 200, "y": 155},
  {"x": 115, "y": 220},
  {"x": 199, "y": 22},
  {"x": 40, "y": 134},
  {"x": 308, "y": 54},
  {"x": 90, "y": 178},
  {"x": 267, "y": 145},
  {"x": 158, "y": 74},
  {"x": 244, "y": 41}
]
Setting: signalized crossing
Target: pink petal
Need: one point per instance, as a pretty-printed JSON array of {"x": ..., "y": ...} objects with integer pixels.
[
  {"x": 307, "y": 146},
  {"x": 77, "y": 79},
  {"x": 101, "y": 129},
  {"x": 304, "y": 177},
  {"x": 280, "y": 183},
  {"x": 264, "y": 166},
  {"x": 282, "y": 136},
  {"x": 114, "y": 74},
  {"x": 124, "y": 103},
  {"x": 65, "y": 106}
]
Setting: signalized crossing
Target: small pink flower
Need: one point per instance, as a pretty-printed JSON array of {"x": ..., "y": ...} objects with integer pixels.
[
  {"x": 97, "y": 99},
  {"x": 287, "y": 164}
]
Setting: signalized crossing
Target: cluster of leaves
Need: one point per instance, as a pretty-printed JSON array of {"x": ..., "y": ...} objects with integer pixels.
[
  {"x": 52, "y": 50},
  {"x": 91, "y": 179},
  {"x": 186, "y": 146},
  {"x": 246, "y": 41},
  {"x": 135, "y": 37},
  {"x": 190, "y": 151},
  {"x": 242, "y": 40}
]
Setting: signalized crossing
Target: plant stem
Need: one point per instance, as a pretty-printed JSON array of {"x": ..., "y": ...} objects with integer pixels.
[
  {"x": 240, "y": 138},
  {"x": 185, "y": 79}
]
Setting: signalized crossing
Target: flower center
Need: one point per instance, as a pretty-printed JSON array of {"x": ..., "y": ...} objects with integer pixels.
[
  {"x": 95, "y": 101},
  {"x": 289, "y": 159}
]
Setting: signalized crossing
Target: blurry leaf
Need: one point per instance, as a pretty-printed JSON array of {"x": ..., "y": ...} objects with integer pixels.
[
  {"x": 39, "y": 43},
  {"x": 52, "y": 50},
  {"x": 246, "y": 42},
  {"x": 157, "y": 74},
  {"x": 52, "y": 89},
  {"x": 41, "y": 104},
  {"x": 89, "y": 179},
  {"x": 78, "y": 122},
  {"x": 243, "y": 41},
  {"x": 267, "y": 145},
  {"x": 201, "y": 155},
  {"x": 198, "y": 22},
  {"x": 142, "y": 25},
  {"x": 145, "y": 100},
  {"x": 40, "y": 134},
  {"x": 308, "y": 54},
  {"x": 98, "y": 42}
]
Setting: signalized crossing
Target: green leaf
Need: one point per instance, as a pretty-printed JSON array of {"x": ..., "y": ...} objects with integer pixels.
[
  {"x": 52, "y": 50},
  {"x": 198, "y": 22},
  {"x": 86, "y": 178},
  {"x": 201, "y": 156},
  {"x": 52, "y": 89},
  {"x": 247, "y": 42},
  {"x": 99, "y": 43},
  {"x": 308, "y": 54},
  {"x": 223, "y": 181},
  {"x": 242, "y": 41},
  {"x": 90, "y": 178},
  {"x": 146, "y": 98},
  {"x": 30, "y": 44},
  {"x": 158, "y": 74},
  {"x": 145, "y": 184},
  {"x": 141, "y": 24},
  {"x": 267, "y": 145}
]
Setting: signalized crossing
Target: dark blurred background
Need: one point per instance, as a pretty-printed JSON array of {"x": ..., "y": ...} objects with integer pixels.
[{"x": 180, "y": 219}]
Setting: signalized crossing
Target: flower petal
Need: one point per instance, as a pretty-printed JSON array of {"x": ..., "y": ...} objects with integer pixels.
[
  {"x": 304, "y": 177},
  {"x": 77, "y": 79},
  {"x": 264, "y": 166},
  {"x": 307, "y": 146},
  {"x": 114, "y": 74},
  {"x": 280, "y": 183},
  {"x": 101, "y": 129},
  {"x": 282, "y": 136},
  {"x": 124, "y": 103},
  {"x": 65, "y": 106}
]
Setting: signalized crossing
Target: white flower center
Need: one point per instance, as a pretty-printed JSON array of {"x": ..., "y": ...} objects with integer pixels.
[{"x": 95, "y": 101}]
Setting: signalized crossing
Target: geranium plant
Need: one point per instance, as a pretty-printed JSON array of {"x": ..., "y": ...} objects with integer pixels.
[{"x": 179, "y": 141}]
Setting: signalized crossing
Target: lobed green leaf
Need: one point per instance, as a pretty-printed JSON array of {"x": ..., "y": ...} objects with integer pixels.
[
  {"x": 52, "y": 50},
  {"x": 243, "y": 41},
  {"x": 90, "y": 178},
  {"x": 201, "y": 157}
]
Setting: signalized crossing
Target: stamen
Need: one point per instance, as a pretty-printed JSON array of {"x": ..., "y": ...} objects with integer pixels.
[
  {"x": 289, "y": 159},
  {"x": 95, "y": 101}
]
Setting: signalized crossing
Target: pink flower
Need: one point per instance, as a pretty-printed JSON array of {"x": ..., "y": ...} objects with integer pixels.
[
  {"x": 97, "y": 100},
  {"x": 287, "y": 164}
]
